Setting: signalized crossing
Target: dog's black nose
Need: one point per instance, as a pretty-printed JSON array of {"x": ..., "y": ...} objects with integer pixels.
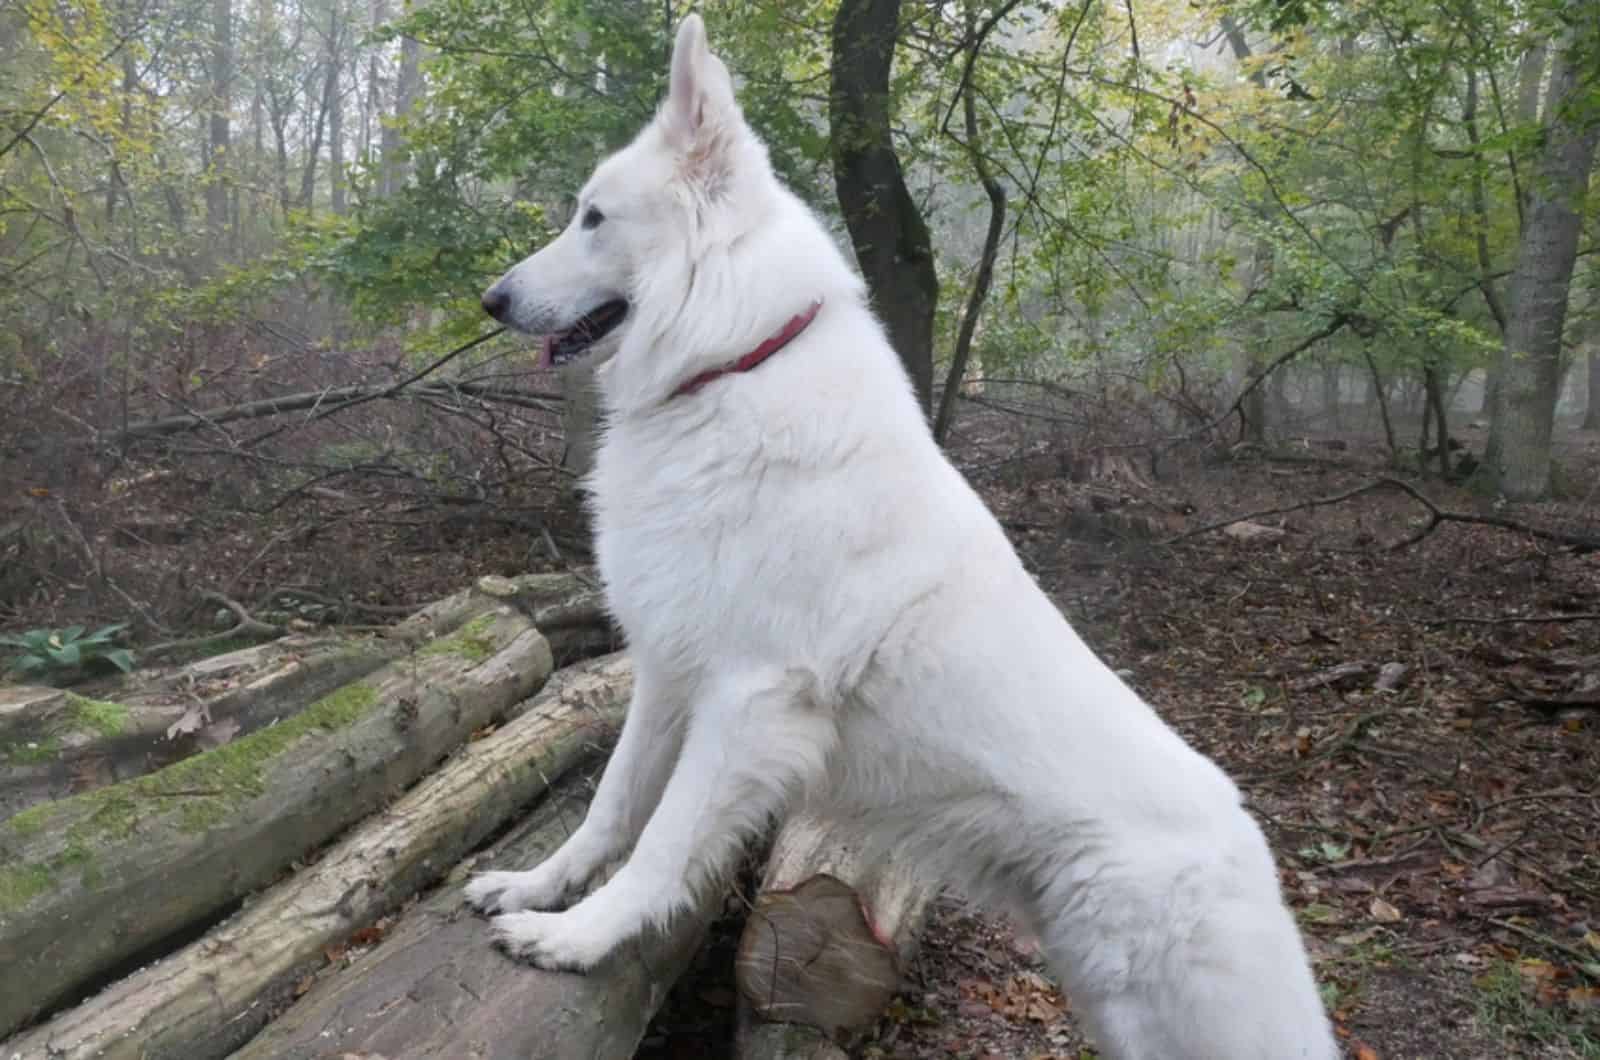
[{"x": 496, "y": 302}]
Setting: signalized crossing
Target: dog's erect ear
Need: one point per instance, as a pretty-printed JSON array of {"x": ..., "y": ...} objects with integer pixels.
[{"x": 699, "y": 92}]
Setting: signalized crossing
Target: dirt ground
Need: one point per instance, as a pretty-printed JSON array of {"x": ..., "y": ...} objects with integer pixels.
[
  {"x": 1425, "y": 768},
  {"x": 1439, "y": 841}
]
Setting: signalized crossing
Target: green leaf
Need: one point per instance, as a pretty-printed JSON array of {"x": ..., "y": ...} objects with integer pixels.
[
  {"x": 67, "y": 655},
  {"x": 71, "y": 633},
  {"x": 122, "y": 659}
]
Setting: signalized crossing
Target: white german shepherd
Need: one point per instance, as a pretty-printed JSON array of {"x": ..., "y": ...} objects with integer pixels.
[{"x": 820, "y": 607}]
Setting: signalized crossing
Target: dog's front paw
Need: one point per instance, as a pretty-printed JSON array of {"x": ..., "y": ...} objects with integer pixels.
[
  {"x": 508, "y": 892},
  {"x": 560, "y": 942}
]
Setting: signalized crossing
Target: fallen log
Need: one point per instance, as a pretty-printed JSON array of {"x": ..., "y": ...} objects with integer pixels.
[
  {"x": 89, "y": 882},
  {"x": 55, "y": 743},
  {"x": 437, "y": 987},
  {"x": 211, "y": 996},
  {"x": 825, "y": 941},
  {"x": 567, "y": 607}
]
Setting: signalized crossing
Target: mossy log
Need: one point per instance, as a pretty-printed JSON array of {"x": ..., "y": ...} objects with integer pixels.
[
  {"x": 437, "y": 987},
  {"x": 825, "y": 941},
  {"x": 211, "y": 996},
  {"x": 55, "y": 743},
  {"x": 568, "y": 607},
  {"x": 90, "y": 882}
]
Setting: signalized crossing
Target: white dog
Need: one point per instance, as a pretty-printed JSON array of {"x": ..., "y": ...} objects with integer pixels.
[{"x": 820, "y": 607}]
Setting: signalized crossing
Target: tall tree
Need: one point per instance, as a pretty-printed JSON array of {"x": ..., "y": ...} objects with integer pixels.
[
  {"x": 886, "y": 227},
  {"x": 220, "y": 112},
  {"x": 1530, "y": 362}
]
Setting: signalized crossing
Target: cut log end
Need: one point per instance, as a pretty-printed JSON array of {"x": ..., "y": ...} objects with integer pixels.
[{"x": 811, "y": 954}]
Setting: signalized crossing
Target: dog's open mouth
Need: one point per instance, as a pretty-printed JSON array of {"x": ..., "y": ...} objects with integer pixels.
[{"x": 564, "y": 347}]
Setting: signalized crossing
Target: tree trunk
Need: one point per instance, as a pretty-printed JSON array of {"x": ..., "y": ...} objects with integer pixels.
[
  {"x": 336, "y": 59},
  {"x": 985, "y": 275},
  {"x": 1591, "y": 417},
  {"x": 1434, "y": 408},
  {"x": 308, "y": 172},
  {"x": 1530, "y": 362},
  {"x": 202, "y": 1001},
  {"x": 826, "y": 940},
  {"x": 1380, "y": 394},
  {"x": 221, "y": 104},
  {"x": 130, "y": 864},
  {"x": 891, "y": 240},
  {"x": 1332, "y": 396},
  {"x": 1253, "y": 410},
  {"x": 396, "y": 167}
]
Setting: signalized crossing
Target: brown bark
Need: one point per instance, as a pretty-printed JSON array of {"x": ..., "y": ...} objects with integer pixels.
[
  {"x": 200, "y": 1002},
  {"x": 891, "y": 240},
  {"x": 130, "y": 864},
  {"x": 826, "y": 940}
]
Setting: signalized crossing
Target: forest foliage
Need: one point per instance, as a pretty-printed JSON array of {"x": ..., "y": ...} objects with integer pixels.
[{"x": 1193, "y": 193}]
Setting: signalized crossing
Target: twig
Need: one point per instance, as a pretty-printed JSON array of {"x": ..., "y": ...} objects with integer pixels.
[
  {"x": 1581, "y": 957},
  {"x": 1586, "y": 616},
  {"x": 246, "y": 626},
  {"x": 1437, "y": 515},
  {"x": 335, "y": 399},
  {"x": 1315, "y": 502}
]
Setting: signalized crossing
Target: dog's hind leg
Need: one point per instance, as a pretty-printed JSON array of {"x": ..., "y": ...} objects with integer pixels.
[
  {"x": 752, "y": 743},
  {"x": 629, "y": 789}
]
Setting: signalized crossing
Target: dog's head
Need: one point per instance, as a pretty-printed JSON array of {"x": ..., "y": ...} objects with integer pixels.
[{"x": 687, "y": 183}]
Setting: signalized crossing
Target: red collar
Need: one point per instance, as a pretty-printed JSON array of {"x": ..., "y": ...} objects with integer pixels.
[{"x": 785, "y": 335}]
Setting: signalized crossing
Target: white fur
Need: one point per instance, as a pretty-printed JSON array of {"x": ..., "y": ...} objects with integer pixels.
[{"x": 820, "y": 607}]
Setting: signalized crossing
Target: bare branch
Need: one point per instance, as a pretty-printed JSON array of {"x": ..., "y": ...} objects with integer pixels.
[{"x": 1436, "y": 517}]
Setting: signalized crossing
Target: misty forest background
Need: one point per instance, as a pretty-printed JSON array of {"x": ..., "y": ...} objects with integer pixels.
[
  {"x": 1270, "y": 330},
  {"x": 241, "y": 242}
]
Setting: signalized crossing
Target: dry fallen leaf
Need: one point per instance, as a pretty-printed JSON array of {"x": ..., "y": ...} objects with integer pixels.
[
  {"x": 1383, "y": 912},
  {"x": 194, "y": 719}
]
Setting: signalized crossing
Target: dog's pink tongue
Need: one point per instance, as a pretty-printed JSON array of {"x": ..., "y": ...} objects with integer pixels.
[{"x": 547, "y": 352}]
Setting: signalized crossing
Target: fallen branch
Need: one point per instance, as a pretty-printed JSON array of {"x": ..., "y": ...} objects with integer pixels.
[
  {"x": 245, "y": 626},
  {"x": 130, "y": 864},
  {"x": 1530, "y": 619},
  {"x": 825, "y": 942},
  {"x": 333, "y": 399},
  {"x": 208, "y": 998},
  {"x": 1437, "y": 516}
]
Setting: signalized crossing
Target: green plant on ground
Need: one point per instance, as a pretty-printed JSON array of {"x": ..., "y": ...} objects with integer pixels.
[
  {"x": 57, "y": 654},
  {"x": 1510, "y": 1002}
]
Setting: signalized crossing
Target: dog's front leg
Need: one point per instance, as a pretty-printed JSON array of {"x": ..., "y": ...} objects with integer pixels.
[
  {"x": 751, "y": 744},
  {"x": 629, "y": 789}
]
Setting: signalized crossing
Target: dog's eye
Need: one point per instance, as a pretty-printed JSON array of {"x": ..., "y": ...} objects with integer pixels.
[{"x": 592, "y": 218}]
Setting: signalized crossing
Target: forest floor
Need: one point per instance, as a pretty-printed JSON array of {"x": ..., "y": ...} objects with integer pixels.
[
  {"x": 1439, "y": 840},
  {"x": 1439, "y": 843}
]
